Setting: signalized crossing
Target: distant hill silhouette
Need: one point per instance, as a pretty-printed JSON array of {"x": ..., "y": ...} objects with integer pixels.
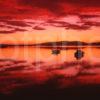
[
  {"x": 51, "y": 44},
  {"x": 14, "y": 45},
  {"x": 68, "y": 43},
  {"x": 95, "y": 43}
]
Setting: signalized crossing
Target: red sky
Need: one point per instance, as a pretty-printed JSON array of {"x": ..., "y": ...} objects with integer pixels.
[{"x": 31, "y": 21}]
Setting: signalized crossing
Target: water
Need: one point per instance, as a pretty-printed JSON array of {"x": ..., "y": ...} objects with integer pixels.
[
  {"x": 45, "y": 55},
  {"x": 25, "y": 67}
]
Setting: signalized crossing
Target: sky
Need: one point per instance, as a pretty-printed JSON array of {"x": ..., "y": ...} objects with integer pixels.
[{"x": 38, "y": 21}]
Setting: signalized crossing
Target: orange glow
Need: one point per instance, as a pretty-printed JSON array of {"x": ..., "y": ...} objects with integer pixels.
[{"x": 50, "y": 35}]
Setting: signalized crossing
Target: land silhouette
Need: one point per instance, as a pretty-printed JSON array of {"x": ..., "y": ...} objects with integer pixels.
[
  {"x": 54, "y": 44},
  {"x": 69, "y": 43}
]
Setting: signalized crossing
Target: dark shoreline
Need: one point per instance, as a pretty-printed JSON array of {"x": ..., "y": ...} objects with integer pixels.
[{"x": 52, "y": 47}]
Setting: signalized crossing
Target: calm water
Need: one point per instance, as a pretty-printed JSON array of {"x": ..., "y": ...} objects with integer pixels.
[
  {"x": 29, "y": 68},
  {"x": 45, "y": 55}
]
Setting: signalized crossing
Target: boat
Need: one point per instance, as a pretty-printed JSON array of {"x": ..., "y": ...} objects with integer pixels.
[
  {"x": 56, "y": 51},
  {"x": 79, "y": 54}
]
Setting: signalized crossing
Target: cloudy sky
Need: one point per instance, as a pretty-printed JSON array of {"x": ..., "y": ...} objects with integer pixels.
[{"x": 36, "y": 21}]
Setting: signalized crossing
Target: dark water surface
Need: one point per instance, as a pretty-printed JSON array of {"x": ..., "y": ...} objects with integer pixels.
[{"x": 30, "y": 71}]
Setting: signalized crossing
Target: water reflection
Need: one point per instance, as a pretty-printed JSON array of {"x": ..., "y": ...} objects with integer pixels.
[{"x": 42, "y": 67}]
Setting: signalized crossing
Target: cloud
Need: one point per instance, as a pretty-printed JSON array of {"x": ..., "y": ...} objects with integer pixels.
[
  {"x": 81, "y": 22},
  {"x": 68, "y": 14},
  {"x": 12, "y": 31},
  {"x": 50, "y": 5},
  {"x": 75, "y": 22},
  {"x": 17, "y": 23},
  {"x": 38, "y": 28},
  {"x": 55, "y": 3},
  {"x": 77, "y": 27},
  {"x": 5, "y": 31},
  {"x": 12, "y": 26},
  {"x": 57, "y": 6},
  {"x": 89, "y": 3},
  {"x": 89, "y": 16},
  {"x": 20, "y": 30},
  {"x": 2, "y": 25},
  {"x": 26, "y": 8},
  {"x": 92, "y": 23},
  {"x": 57, "y": 23}
]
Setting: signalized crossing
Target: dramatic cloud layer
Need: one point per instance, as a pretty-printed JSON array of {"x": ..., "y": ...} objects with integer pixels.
[{"x": 69, "y": 14}]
